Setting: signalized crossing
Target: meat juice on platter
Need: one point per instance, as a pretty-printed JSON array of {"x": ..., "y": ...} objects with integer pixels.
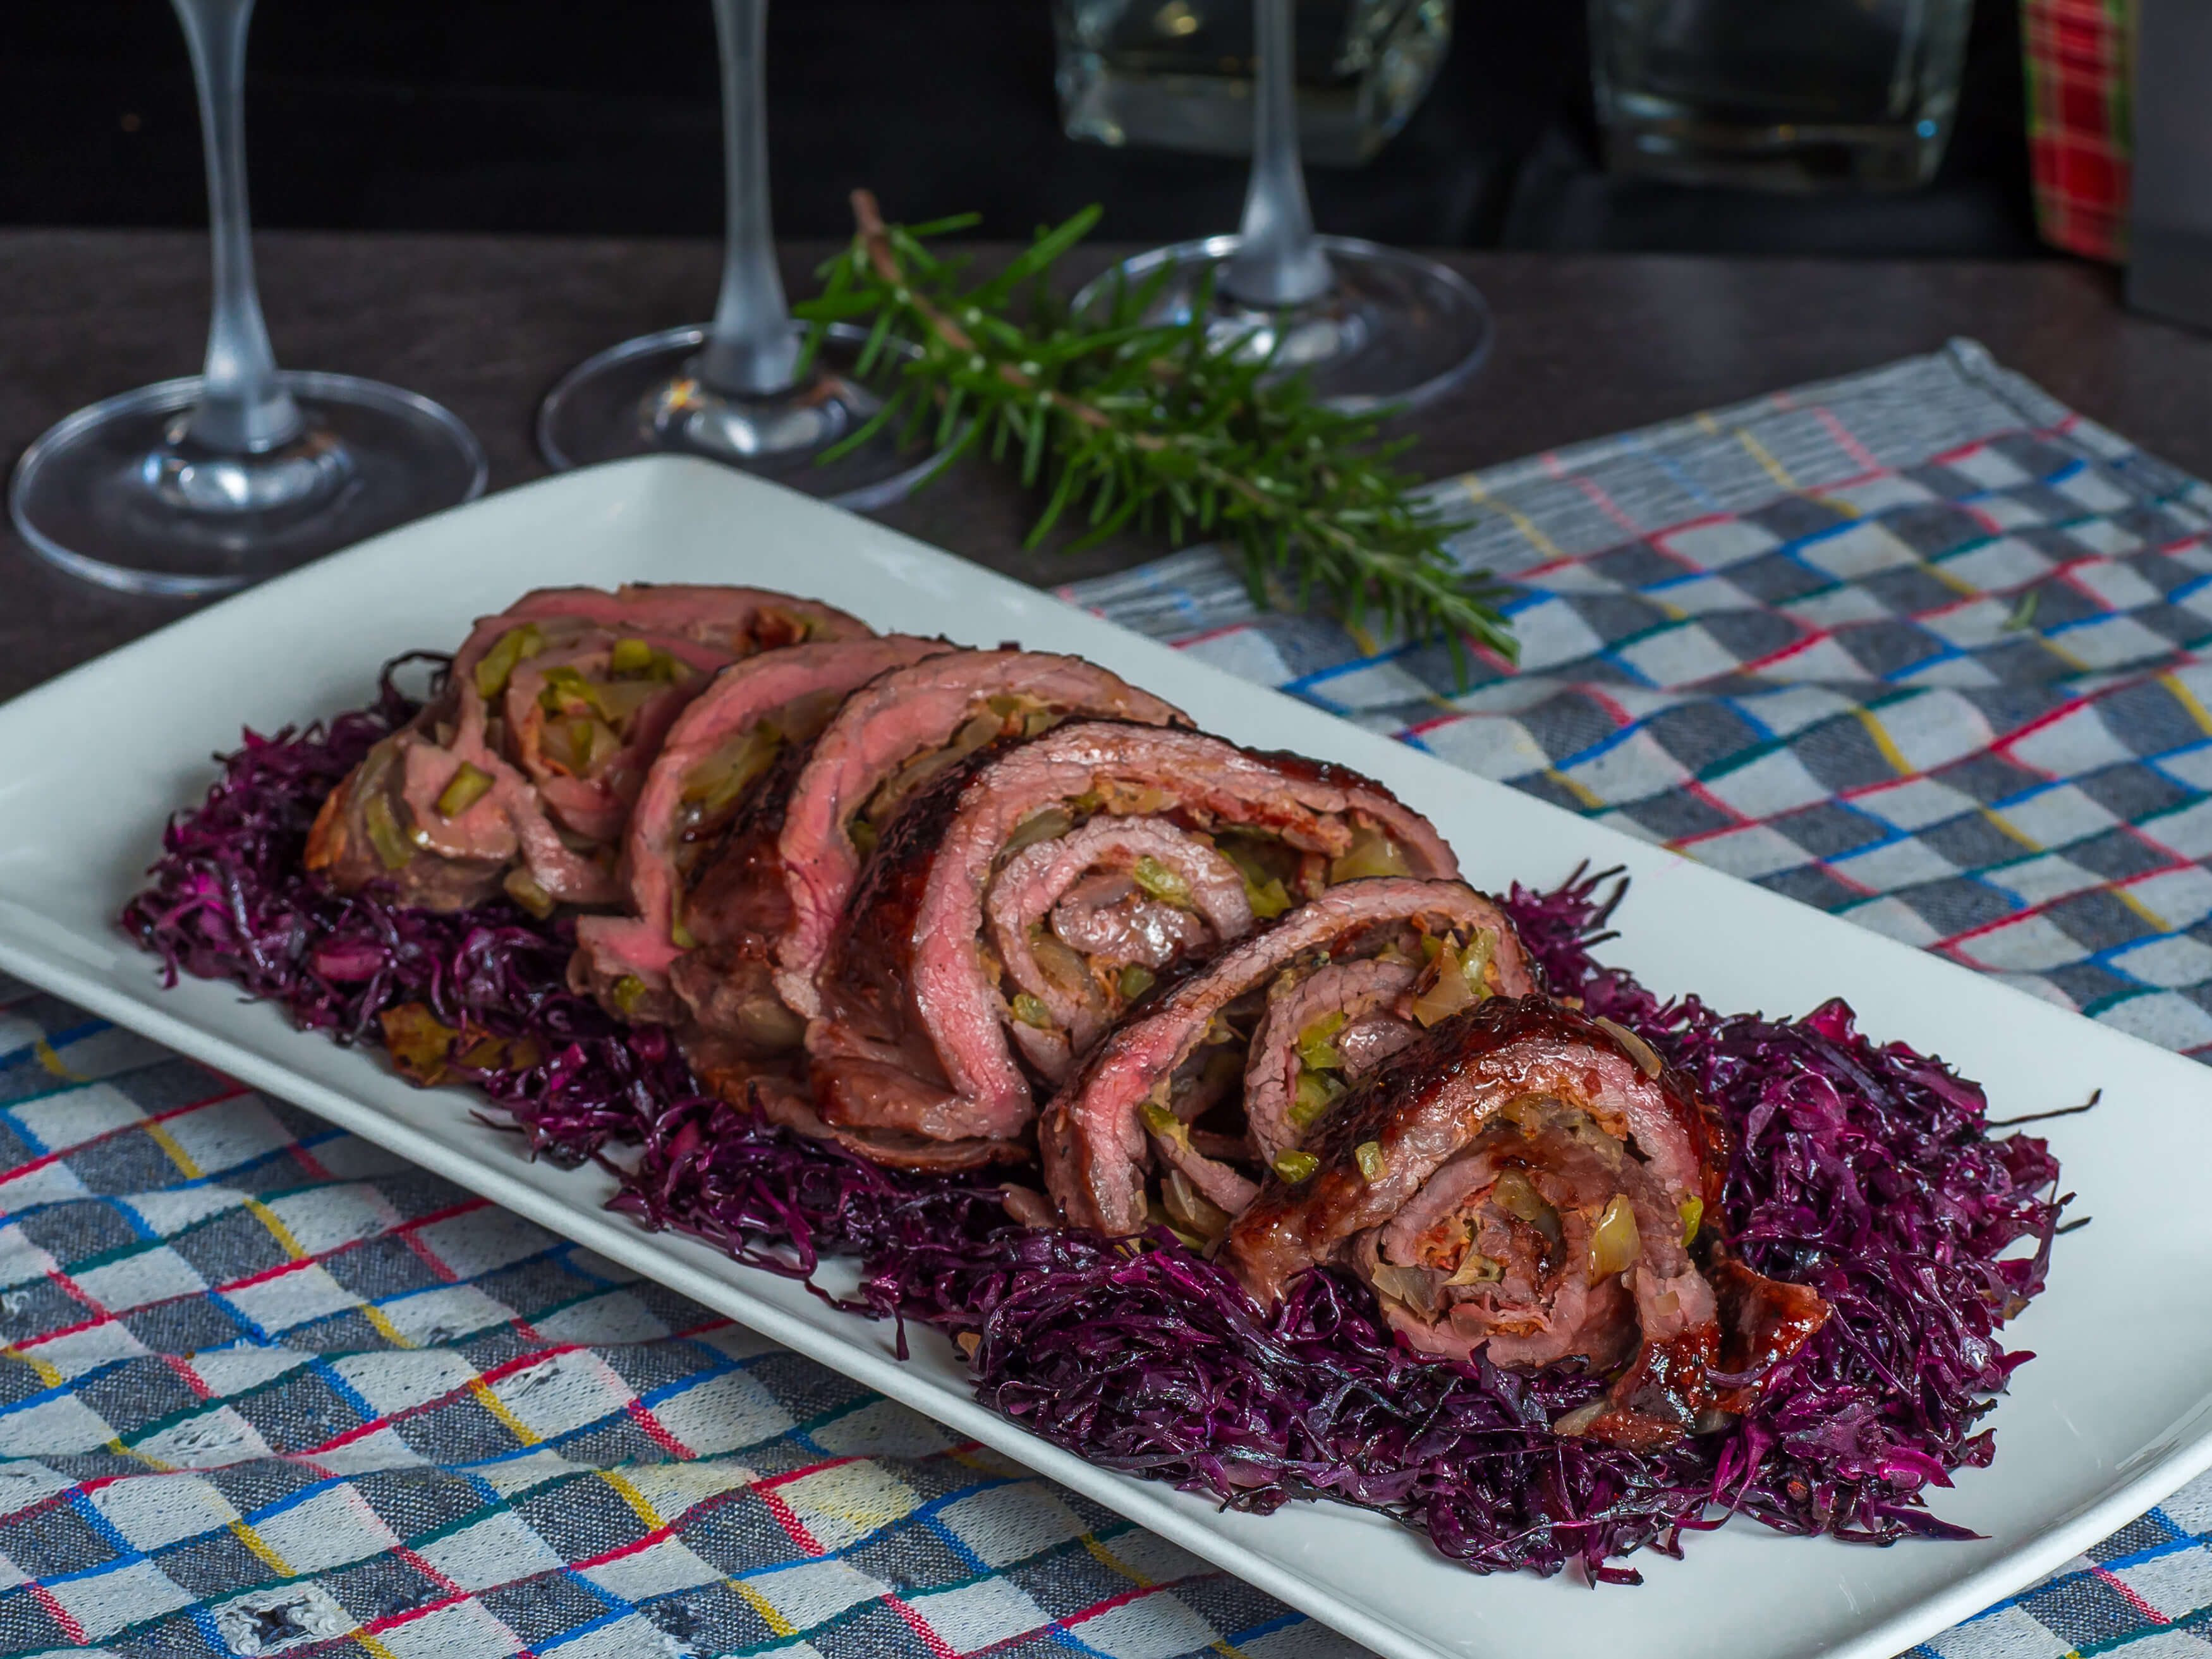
[{"x": 1234, "y": 1139}]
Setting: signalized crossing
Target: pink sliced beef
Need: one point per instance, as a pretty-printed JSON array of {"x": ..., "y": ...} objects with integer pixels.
[
  {"x": 1224, "y": 1042},
  {"x": 913, "y": 988},
  {"x": 760, "y": 709},
  {"x": 1533, "y": 1185},
  {"x": 382, "y": 826},
  {"x": 881, "y": 732}
]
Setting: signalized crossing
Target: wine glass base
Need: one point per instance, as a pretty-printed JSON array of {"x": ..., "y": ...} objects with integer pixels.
[
  {"x": 1393, "y": 329},
  {"x": 119, "y": 494},
  {"x": 644, "y": 397}
]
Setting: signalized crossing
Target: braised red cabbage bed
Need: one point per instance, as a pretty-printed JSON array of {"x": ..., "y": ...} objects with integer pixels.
[{"x": 1866, "y": 1171}]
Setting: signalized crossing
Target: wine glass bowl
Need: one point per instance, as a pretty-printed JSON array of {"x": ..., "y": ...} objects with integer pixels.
[
  {"x": 124, "y": 494},
  {"x": 205, "y": 483},
  {"x": 1390, "y": 329},
  {"x": 652, "y": 395},
  {"x": 1370, "y": 325}
]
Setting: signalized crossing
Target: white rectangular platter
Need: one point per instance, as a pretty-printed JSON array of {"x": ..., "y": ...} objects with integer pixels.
[{"x": 2114, "y": 1414}]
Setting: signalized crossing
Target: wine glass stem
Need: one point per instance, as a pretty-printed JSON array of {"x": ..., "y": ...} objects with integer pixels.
[
  {"x": 1277, "y": 261},
  {"x": 242, "y": 409},
  {"x": 752, "y": 349}
]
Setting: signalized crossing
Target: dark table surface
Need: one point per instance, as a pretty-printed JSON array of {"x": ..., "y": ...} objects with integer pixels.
[{"x": 1586, "y": 345}]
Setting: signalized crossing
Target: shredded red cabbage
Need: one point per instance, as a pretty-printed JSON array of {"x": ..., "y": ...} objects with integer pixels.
[
  {"x": 1863, "y": 1171},
  {"x": 229, "y": 899}
]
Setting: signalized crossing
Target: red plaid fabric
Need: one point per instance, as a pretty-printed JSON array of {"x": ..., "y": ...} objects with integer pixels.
[{"x": 2076, "y": 53}]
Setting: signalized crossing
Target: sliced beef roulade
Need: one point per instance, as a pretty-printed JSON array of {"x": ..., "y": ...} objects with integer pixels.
[
  {"x": 1212, "y": 1082},
  {"x": 697, "y": 812},
  {"x": 1020, "y": 903},
  {"x": 1533, "y": 1185},
  {"x": 891, "y": 740},
  {"x": 519, "y": 774},
  {"x": 443, "y": 810}
]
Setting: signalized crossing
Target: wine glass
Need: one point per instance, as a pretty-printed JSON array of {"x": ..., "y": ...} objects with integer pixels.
[
  {"x": 1369, "y": 325},
  {"x": 733, "y": 390},
  {"x": 207, "y": 482}
]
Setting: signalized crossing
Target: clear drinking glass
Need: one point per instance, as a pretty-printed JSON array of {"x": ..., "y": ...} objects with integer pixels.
[
  {"x": 1371, "y": 325},
  {"x": 207, "y": 482},
  {"x": 1178, "y": 73},
  {"x": 729, "y": 389},
  {"x": 1786, "y": 94}
]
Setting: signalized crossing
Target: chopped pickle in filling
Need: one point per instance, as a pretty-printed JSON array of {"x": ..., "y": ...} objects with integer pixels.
[
  {"x": 1031, "y": 1011},
  {"x": 1167, "y": 885},
  {"x": 1048, "y": 825},
  {"x": 1296, "y": 1167},
  {"x": 1316, "y": 1052},
  {"x": 497, "y": 664},
  {"x": 1613, "y": 1244},
  {"x": 635, "y": 660},
  {"x": 1314, "y": 1093},
  {"x": 1372, "y": 853},
  {"x": 629, "y": 991},
  {"x": 1373, "y": 1164},
  {"x": 566, "y": 691},
  {"x": 1518, "y": 1196},
  {"x": 590, "y": 743},
  {"x": 1160, "y": 1119},
  {"x": 1693, "y": 1211},
  {"x": 381, "y": 819},
  {"x": 1461, "y": 980},
  {"x": 1263, "y": 883},
  {"x": 718, "y": 782},
  {"x": 1136, "y": 979},
  {"x": 622, "y": 699},
  {"x": 1476, "y": 1268},
  {"x": 524, "y": 891},
  {"x": 469, "y": 785}
]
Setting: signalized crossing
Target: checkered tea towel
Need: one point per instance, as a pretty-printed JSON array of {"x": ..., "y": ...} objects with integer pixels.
[
  {"x": 266, "y": 1390},
  {"x": 1921, "y": 647}
]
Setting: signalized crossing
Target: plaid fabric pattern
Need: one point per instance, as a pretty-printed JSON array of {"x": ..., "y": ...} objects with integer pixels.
[
  {"x": 2076, "y": 55},
  {"x": 1921, "y": 647},
  {"x": 265, "y": 1389}
]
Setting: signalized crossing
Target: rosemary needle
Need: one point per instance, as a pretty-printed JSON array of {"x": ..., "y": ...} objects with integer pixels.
[{"x": 1119, "y": 422}]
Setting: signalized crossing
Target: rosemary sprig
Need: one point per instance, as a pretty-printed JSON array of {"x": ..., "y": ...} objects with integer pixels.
[{"x": 1122, "y": 421}]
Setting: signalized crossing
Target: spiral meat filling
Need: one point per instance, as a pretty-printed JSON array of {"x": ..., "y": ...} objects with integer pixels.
[
  {"x": 481, "y": 791},
  {"x": 1084, "y": 923},
  {"x": 1181, "y": 1111},
  {"x": 1531, "y": 1185},
  {"x": 1022, "y": 902}
]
